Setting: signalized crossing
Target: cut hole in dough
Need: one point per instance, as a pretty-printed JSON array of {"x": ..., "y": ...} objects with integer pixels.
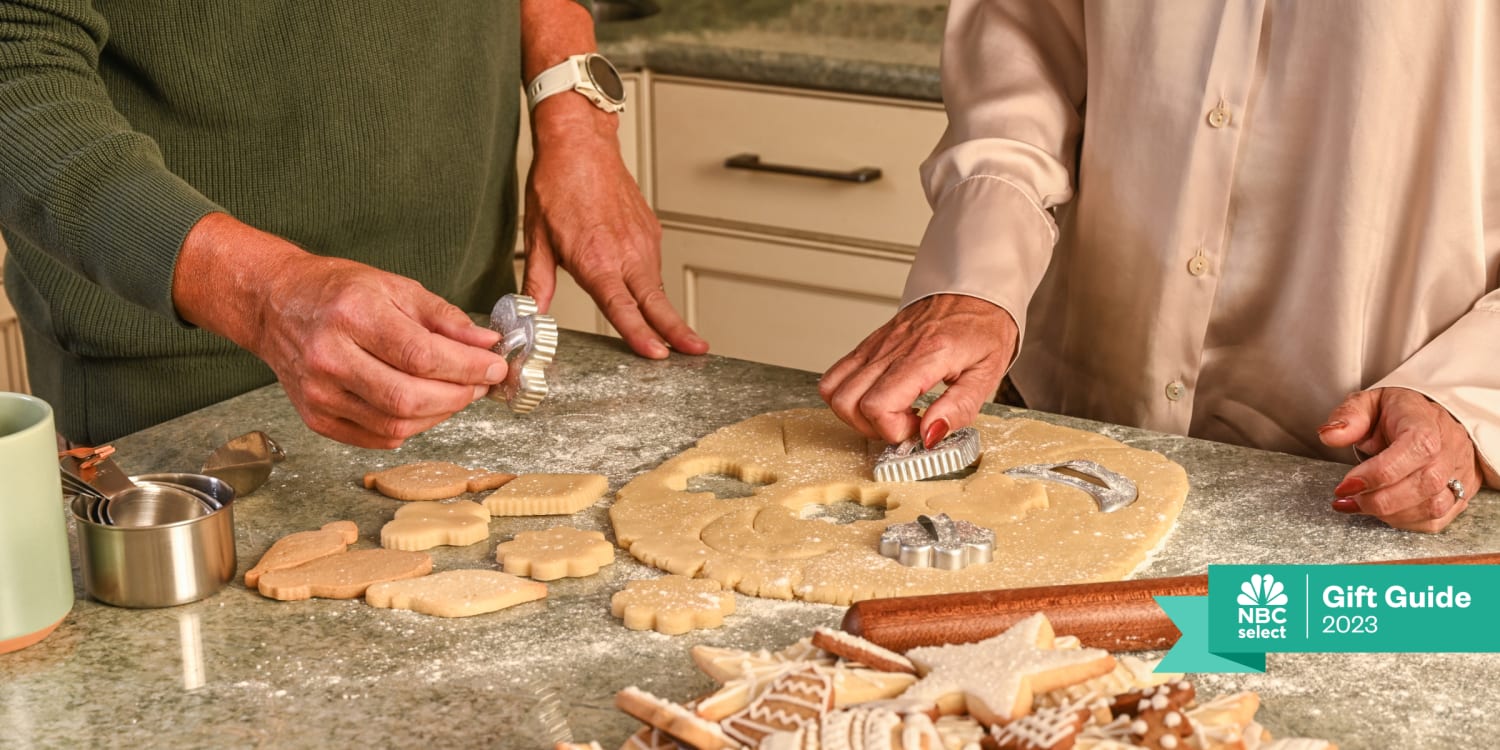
[
  {"x": 844, "y": 511},
  {"x": 723, "y": 486}
]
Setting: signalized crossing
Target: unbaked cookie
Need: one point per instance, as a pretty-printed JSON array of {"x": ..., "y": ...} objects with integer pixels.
[
  {"x": 558, "y": 552},
  {"x": 345, "y": 575},
  {"x": 772, "y": 544},
  {"x": 672, "y": 604},
  {"x": 422, "y": 526},
  {"x": 294, "y": 549},
  {"x": 432, "y": 480},
  {"x": 546, "y": 494},
  {"x": 456, "y": 593}
]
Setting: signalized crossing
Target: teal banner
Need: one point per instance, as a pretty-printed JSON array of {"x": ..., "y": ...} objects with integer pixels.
[{"x": 1253, "y": 610}]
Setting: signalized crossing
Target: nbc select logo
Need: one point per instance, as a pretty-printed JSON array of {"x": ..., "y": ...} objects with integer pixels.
[{"x": 1262, "y": 608}]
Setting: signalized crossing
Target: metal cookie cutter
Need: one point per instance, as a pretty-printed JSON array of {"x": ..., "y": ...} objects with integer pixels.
[
  {"x": 528, "y": 346},
  {"x": 938, "y": 542},
  {"x": 1112, "y": 491},
  {"x": 909, "y": 461}
]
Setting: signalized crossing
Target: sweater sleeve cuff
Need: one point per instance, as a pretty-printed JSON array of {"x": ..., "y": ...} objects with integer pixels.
[
  {"x": 125, "y": 221},
  {"x": 986, "y": 240},
  {"x": 1453, "y": 371}
]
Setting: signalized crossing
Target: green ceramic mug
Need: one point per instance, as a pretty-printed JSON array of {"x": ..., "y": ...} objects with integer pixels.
[{"x": 36, "y": 572}]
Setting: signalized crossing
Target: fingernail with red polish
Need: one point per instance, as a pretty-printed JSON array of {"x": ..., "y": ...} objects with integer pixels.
[
  {"x": 1350, "y": 486},
  {"x": 1346, "y": 505},
  {"x": 1337, "y": 424},
  {"x": 935, "y": 433}
]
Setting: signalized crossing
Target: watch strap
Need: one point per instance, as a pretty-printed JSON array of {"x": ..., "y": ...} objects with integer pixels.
[{"x": 561, "y": 77}]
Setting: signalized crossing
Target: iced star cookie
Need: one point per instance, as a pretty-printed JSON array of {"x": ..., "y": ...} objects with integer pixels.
[
  {"x": 997, "y": 677},
  {"x": 547, "y": 494},
  {"x": 295, "y": 549},
  {"x": 672, "y": 604},
  {"x": 432, "y": 480},
  {"x": 426, "y": 525},
  {"x": 456, "y": 593},
  {"x": 558, "y": 552}
]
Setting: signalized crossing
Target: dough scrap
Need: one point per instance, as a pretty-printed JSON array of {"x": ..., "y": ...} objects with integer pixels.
[
  {"x": 672, "y": 605},
  {"x": 294, "y": 549},
  {"x": 558, "y": 552},
  {"x": 345, "y": 575},
  {"x": 456, "y": 593},
  {"x": 426, "y": 525},
  {"x": 547, "y": 494},
  {"x": 432, "y": 480},
  {"x": 997, "y": 677},
  {"x": 767, "y": 544}
]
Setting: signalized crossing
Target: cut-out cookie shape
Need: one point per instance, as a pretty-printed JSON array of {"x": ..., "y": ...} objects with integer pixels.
[
  {"x": 345, "y": 575},
  {"x": 855, "y": 648},
  {"x": 546, "y": 494},
  {"x": 432, "y": 480},
  {"x": 997, "y": 677},
  {"x": 456, "y": 593},
  {"x": 426, "y": 525},
  {"x": 769, "y": 543},
  {"x": 672, "y": 605},
  {"x": 796, "y": 698},
  {"x": 559, "y": 552},
  {"x": 672, "y": 720},
  {"x": 295, "y": 549}
]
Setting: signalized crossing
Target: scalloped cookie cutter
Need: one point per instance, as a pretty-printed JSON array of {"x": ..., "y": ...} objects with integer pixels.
[
  {"x": 529, "y": 345},
  {"x": 1111, "y": 490},
  {"x": 938, "y": 542},
  {"x": 910, "y": 462}
]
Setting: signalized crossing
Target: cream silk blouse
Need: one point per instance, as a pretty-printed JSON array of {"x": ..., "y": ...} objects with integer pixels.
[{"x": 1219, "y": 218}]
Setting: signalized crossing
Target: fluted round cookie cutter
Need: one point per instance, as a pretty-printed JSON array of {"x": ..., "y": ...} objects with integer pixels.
[
  {"x": 938, "y": 542},
  {"x": 529, "y": 344}
]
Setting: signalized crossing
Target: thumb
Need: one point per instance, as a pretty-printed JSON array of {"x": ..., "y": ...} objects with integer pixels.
[
  {"x": 1351, "y": 421},
  {"x": 957, "y": 406}
]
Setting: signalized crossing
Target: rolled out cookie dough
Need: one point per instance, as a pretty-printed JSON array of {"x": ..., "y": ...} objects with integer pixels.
[{"x": 769, "y": 544}]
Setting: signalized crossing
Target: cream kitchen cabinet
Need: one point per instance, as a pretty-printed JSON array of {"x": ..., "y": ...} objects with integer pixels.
[{"x": 780, "y": 244}]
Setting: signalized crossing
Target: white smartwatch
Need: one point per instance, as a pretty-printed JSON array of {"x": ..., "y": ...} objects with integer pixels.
[{"x": 591, "y": 75}]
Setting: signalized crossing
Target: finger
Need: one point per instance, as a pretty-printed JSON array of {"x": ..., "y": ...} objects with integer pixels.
[
  {"x": 342, "y": 416},
  {"x": 439, "y": 316},
  {"x": 1415, "y": 441},
  {"x": 652, "y": 300},
  {"x": 846, "y": 401},
  {"x": 834, "y": 378},
  {"x": 410, "y": 348},
  {"x": 956, "y": 408},
  {"x": 540, "y": 282},
  {"x": 1409, "y": 495},
  {"x": 1431, "y": 515},
  {"x": 1351, "y": 421},
  {"x": 620, "y": 308},
  {"x": 886, "y": 404},
  {"x": 389, "y": 391}
]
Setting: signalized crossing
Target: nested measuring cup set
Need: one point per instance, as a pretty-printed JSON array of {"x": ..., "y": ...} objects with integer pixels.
[{"x": 157, "y": 540}]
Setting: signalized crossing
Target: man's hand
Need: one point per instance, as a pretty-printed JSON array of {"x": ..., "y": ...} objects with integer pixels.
[
  {"x": 367, "y": 357},
  {"x": 1416, "y": 448},
  {"x": 585, "y": 214},
  {"x": 963, "y": 341}
]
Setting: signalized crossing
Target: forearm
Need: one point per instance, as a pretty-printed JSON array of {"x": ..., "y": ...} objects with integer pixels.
[
  {"x": 225, "y": 270},
  {"x": 551, "y": 31}
]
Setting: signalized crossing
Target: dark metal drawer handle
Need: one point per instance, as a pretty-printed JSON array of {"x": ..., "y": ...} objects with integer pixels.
[{"x": 753, "y": 163}]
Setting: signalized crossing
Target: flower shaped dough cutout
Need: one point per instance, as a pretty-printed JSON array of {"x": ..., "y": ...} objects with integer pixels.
[
  {"x": 672, "y": 604},
  {"x": 558, "y": 552}
]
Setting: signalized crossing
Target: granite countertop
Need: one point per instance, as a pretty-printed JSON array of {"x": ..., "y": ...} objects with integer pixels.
[
  {"x": 237, "y": 670},
  {"x": 877, "y": 47}
]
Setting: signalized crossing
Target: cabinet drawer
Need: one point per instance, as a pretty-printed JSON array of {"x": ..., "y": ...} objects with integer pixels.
[
  {"x": 698, "y": 126},
  {"x": 782, "y": 302}
]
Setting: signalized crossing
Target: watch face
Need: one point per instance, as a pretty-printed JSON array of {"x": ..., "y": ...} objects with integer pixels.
[{"x": 606, "y": 79}]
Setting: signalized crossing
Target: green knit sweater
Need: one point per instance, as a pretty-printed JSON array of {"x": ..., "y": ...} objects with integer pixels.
[{"x": 382, "y": 131}]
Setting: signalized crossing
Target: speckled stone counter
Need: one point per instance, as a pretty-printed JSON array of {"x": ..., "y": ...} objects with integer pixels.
[
  {"x": 236, "y": 670},
  {"x": 877, "y": 47}
]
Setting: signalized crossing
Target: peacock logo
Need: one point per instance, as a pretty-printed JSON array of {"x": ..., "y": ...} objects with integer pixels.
[{"x": 1262, "y": 591}]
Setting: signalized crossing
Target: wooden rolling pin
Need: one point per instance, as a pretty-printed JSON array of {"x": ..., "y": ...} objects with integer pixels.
[{"x": 1115, "y": 615}]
